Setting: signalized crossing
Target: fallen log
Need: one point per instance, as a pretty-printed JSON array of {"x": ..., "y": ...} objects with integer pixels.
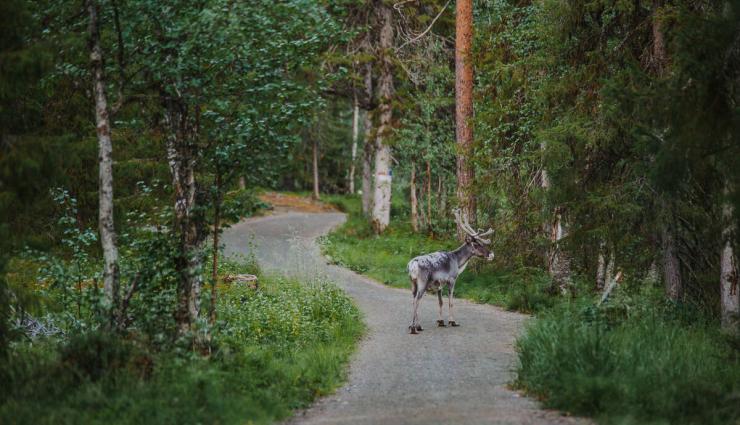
[{"x": 249, "y": 279}]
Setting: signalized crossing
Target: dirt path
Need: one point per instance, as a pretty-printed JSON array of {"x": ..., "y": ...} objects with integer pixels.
[{"x": 442, "y": 376}]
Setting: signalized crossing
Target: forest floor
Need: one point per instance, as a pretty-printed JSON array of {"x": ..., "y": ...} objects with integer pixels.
[{"x": 442, "y": 376}]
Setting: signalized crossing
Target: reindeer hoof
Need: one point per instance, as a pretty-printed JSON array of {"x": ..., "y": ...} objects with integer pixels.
[
  {"x": 441, "y": 323},
  {"x": 412, "y": 330},
  {"x": 419, "y": 328},
  {"x": 453, "y": 323}
]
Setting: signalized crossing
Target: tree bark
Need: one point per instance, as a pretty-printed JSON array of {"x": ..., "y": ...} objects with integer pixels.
[
  {"x": 601, "y": 267},
  {"x": 216, "y": 232},
  {"x": 316, "y": 194},
  {"x": 369, "y": 149},
  {"x": 560, "y": 261},
  {"x": 729, "y": 298},
  {"x": 382, "y": 197},
  {"x": 414, "y": 203},
  {"x": 671, "y": 262},
  {"x": 660, "y": 57},
  {"x": 464, "y": 109},
  {"x": 181, "y": 157},
  {"x": 355, "y": 131},
  {"x": 105, "y": 162},
  {"x": 429, "y": 192},
  {"x": 242, "y": 183}
]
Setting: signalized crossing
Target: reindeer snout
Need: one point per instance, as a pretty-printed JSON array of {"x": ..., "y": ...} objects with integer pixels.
[{"x": 490, "y": 257}]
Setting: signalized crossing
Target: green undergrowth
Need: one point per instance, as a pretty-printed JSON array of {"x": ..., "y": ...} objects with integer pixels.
[
  {"x": 384, "y": 258},
  {"x": 635, "y": 360},
  {"x": 276, "y": 349}
]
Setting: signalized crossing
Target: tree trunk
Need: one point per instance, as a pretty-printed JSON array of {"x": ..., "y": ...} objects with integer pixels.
[
  {"x": 414, "y": 210},
  {"x": 316, "y": 194},
  {"x": 242, "y": 183},
  {"x": 560, "y": 260},
  {"x": 105, "y": 161},
  {"x": 181, "y": 156},
  {"x": 355, "y": 131},
  {"x": 660, "y": 57},
  {"x": 601, "y": 267},
  {"x": 429, "y": 194},
  {"x": 671, "y": 262},
  {"x": 729, "y": 298},
  {"x": 369, "y": 149},
  {"x": 382, "y": 198},
  {"x": 464, "y": 109},
  {"x": 216, "y": 232}
]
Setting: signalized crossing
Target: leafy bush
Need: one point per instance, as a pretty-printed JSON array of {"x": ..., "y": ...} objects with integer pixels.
[
  {"x": 241, "y": 203},
  {"x": 277, "y": 349},
  {"x": 630, "y": 365}
]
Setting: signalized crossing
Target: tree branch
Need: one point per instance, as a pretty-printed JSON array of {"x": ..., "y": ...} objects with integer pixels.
[{"x": 418, "y": 37}]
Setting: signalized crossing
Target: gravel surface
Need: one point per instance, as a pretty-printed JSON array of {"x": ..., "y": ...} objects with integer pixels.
[{"x": 441, "y": 376}]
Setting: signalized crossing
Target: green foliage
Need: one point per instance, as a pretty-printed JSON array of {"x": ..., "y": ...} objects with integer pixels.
[
  {"x": 636, "y": 362},
  {"x": 269, "y": 360}
]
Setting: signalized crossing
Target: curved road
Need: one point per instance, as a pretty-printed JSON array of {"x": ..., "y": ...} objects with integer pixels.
[{"x": 441, "y": 376}]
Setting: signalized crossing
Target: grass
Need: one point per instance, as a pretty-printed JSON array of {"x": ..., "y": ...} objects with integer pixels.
[
  {"x": 648, "y": 368},
  {"x": 637, "y": 359},
  {"x": 277, "y": 349}
]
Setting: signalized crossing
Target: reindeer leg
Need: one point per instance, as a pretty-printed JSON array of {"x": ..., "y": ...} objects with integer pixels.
[
  {"x": 440, "y": 322},
  {"x": 416, "y": 311},
  {"x": 450, "y": 298},
  {"x": 420, "y": 289},
  {"x": 414, "y": 306}
]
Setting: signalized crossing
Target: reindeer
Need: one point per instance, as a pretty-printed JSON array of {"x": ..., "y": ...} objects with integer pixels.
[{"x": 432, "y": 272}]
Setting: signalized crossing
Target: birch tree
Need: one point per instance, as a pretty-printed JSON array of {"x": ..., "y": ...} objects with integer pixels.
[
  {"x": 381, "y": 209},
  {"x": 728, "y": 282},
  {"x": 105, "y": 163},
  {"x": 355, "y": 132}
]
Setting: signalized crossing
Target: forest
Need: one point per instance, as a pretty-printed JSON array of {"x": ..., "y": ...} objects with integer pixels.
[{"x": 598, "y": 139}]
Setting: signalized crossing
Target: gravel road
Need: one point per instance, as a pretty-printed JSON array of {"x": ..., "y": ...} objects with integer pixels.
[{"x": 441, "y": 376}]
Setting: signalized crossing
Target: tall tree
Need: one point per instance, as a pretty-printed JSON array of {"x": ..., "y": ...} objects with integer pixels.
[
  {"x": 315, "y": 165},
  {"x": 383, "y": 179},
  {"x": 105, "y": 164},
  {"x": 464, "y": 109},
  {"x": 355, "y": 132},
  {"x": 368, "y": 150}
]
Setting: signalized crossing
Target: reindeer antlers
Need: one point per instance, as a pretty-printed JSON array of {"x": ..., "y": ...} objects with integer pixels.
[{"x": 463, "y": 223}]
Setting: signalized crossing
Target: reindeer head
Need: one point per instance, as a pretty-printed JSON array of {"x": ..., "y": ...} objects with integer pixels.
[{"x": 474, "y": 239}]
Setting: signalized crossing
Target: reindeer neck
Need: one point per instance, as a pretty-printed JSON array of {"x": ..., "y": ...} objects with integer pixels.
[{"x": 463, "y": 254}]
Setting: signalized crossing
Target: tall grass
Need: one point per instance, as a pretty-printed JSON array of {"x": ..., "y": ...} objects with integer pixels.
[
  {"x": 648, "y": 366},
  {"x": 277, "y": 349}
]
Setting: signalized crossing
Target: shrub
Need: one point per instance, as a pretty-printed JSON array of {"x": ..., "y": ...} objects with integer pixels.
[{"x": 644, "y": 367}]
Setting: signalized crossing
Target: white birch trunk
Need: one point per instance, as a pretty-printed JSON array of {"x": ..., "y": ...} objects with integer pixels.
[
  {"x": 601, "y": 267},
  {"x": 558, "y": 261},
  {"x": 369, "y": 149},
  {"x": 729, "y": 298},
  {"x": 355, "y": 131},
  {"x": 105, "y": 163},
  {"x": 316, "y": 194},
  {"x": 414, "y": 202},
  {"x": 383, "y": 180}
]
